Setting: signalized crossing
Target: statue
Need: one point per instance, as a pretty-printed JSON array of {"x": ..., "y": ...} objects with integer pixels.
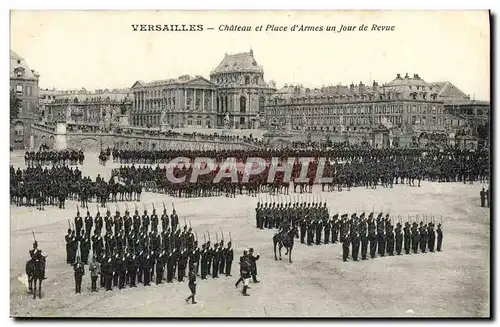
[
  {"x": 226, "y": 120},
  {"x": 163, "y": 117},
  {"x": 68, "y": 113}
]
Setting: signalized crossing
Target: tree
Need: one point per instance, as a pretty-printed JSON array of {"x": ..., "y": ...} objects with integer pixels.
[{"x": 15, "y": 104}]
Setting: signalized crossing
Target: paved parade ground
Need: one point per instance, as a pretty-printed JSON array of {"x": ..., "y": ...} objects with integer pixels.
[{"x": 452, "y": 283}]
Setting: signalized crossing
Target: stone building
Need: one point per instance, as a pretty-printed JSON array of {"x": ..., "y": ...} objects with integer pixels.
[
  {"x": 182, "y": 102},
  {"x": 24, "y": 84},
  {"x": 241, "y": 90},
  {"x": 405, "y": 107},
  {"x": 101, "y": 108}
]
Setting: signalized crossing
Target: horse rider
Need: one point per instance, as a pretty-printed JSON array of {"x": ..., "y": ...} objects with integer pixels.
[{"x": 36, "y": 255}]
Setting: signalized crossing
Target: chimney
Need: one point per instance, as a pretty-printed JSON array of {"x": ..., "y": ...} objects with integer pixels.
[
  {"x": 415, "y": 76},
  {"x": 398, "y": 76},
  {"x": 406, "y": 76}
]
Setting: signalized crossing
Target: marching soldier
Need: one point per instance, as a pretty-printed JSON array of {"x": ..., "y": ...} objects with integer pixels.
[
  {"x": 431, "y": 237},
  {"x": 165, "y": 221},
  {"x": 390, "y": 239},
  {"x": 192, "y": 285},
  {"x": 154, "y": 221},
  {"x": 355, "y": 245},
  {"x": 253, "y": 265},
  {"x": 174, "y": 220}
]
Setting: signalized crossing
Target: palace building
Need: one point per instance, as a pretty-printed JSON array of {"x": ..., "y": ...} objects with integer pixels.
[
  {"x": 405, "y": 104},
  {"x": 183, "y": 102},
  {"x": 24, "y": 86},
  {"x": 241, "y": 90},
  {"x": 99, "y": 108},
  {"x": 236, "y": 90}
]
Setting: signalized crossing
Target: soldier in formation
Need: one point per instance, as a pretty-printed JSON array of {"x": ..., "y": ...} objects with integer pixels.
[
  {"x": 125, "y": 251},
  {"x": 52, "y": 157}
]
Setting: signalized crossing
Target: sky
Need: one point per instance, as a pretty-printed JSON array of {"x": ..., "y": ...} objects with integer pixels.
[{"x": 99, "y": 49}]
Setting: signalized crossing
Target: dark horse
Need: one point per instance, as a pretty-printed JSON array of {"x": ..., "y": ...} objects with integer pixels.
[
  {"x": 285, "y": 239},
  {"x": 35, "y": 270}
]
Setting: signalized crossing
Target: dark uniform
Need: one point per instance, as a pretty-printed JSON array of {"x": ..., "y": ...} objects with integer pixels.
[
  {"x": 79, "y": 269},
  {"x": 192, "y": 285},
  {"x": 439, "y": 232}
]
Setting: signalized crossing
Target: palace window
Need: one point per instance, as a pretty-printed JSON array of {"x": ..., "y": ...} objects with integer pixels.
[{"x": 247, "y": 80}]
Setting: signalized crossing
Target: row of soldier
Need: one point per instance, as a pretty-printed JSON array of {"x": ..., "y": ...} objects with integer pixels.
[
  {"x": 131, "y": 252},
  {"x": 54, "y": 157},
  {"x": 379, "y": 237},
  {"x": 316, "y": 227},
  {"x": 37, "y": 186}
]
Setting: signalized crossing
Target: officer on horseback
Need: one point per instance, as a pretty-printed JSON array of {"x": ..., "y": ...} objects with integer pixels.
[{"x": 36, "y": 255}]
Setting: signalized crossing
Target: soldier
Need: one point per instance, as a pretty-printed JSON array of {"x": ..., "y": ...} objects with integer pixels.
[
  {"x": 183, "y": 259},
  {"x": 171, "y": 266},
  {"x": 95, "y": 271},
  {"x": 160, "y": 267},
  {"x": 85, "y": 250},
  {"x": 78, "y": 223},
  {"x": 174, "y": 220},
  {"x": 355, "y": 245},
  {"x": 381, "y": 241},
  {"x": 68, "y": 246},
  {"x": 345, "y": 248},
  {"x": 414, "y": 238},
  {"x": 319, "y": 228},
  {"x": 146, "y": 268},
  {"x": 108, "y": 273},
  {"x": 423, "y": 239},
  {"x": 215, "y": 261},
  {"x": 145, "y": 221},
  {"x": 79, "y": 269},
  {"x": 431, "y": 237},
  {"x": 192, "y": 285},
  {"x": 165, "y": 221},
  {"x": 245, "y": 272},
  {"x": 122, "y": 271},
  {"x": 154, "y": 221},
  {"x": 98, "y": 223},
  {"x": 222, "y": 258},
  {"x": 439, "y": 238},
  {"x": 132, "y": 267},
  {"x": 390, "y": 239},
  {"x": 488, "y": 197},
  {"x": 364, "y": 242},
  {"x": 229, "y": 253},
  {"x": 253, "y": 264},
  {"x": 303, "y": 226},
  {"x": 399, "y": 239},
  {"x": 89, "y": 222},
  {"x": 482, "y": 194},
  {"x": 204, "y": 261},
  {"x": 327, "y": 224},
  {"x": 407, "y": 237}
]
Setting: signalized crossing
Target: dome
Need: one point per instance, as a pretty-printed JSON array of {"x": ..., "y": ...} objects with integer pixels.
[{"x": 19, "y": 68}]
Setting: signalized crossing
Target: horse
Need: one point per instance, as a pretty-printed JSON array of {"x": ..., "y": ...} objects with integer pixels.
[
  {"x": 285, "y": 239},
  {"x": 35, "y": 270}
]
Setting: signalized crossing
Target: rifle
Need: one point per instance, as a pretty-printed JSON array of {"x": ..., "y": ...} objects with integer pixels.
[
  {"x": 34, "y": 238},
  {"x": 69, "y": 224},
  {"x": 230, "y": 238},
  {"x": 190, "y": 224},
  {"x": 216, "y": 237},
  {"x": 222, "y": 233},
  {"x": 196, "y": 235}
]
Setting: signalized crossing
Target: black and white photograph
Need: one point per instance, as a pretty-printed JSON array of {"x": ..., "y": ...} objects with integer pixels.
[{"x": 244, "y": 164}]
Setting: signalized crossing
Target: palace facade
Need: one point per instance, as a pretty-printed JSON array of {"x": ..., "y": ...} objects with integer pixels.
[
  {"x": 405, "y": 104},
  {"x": 100, "y": 108},
  {"x": 236, "y": 90},
  {"x": 24, "y": 86}
]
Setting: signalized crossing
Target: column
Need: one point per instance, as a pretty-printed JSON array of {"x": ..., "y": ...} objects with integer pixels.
[
  {"x": 213, "y": 100},
  {"x": 194, "y": 99},
  {"x": 203, "y": 100},
  {"x": 185, "y": 99}
]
